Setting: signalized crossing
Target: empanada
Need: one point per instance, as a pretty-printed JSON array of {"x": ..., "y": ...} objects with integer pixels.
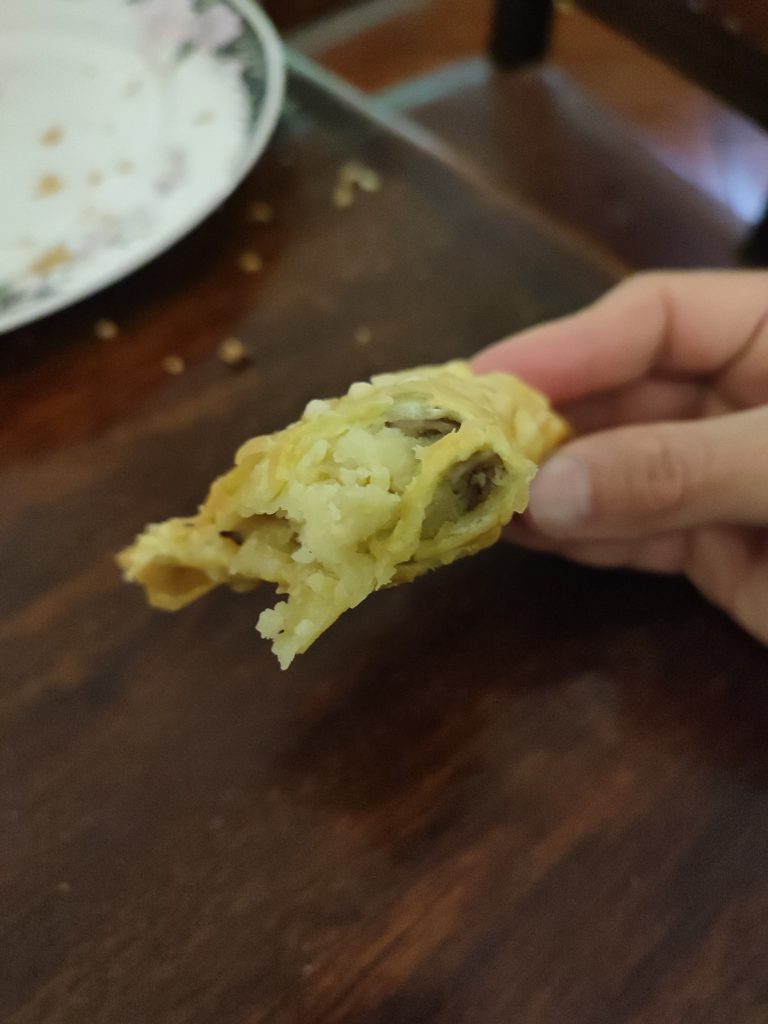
[{"x": 403, "y": 474}]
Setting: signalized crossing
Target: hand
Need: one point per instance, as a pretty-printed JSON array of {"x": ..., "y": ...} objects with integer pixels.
[{"x": 666, "y": 381}]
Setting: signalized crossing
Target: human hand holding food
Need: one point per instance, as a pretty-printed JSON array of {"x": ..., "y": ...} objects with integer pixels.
[{"x": 665, "y": 379}]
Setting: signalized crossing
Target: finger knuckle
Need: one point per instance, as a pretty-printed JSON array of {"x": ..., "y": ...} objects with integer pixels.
[{"x": 667, "y": 475}]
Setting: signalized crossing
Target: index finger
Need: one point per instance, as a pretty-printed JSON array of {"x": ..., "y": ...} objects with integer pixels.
[{"x": 689, "y": 323}]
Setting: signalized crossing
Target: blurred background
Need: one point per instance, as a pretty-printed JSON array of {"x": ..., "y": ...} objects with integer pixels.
[{"x": 602, "y": 136}]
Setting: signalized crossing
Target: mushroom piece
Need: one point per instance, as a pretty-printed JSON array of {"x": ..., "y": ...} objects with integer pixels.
[
  {"x": 425, "y": 429},
  {"x": 465, "y": 486},
  {"x": 472, "y": 481}
]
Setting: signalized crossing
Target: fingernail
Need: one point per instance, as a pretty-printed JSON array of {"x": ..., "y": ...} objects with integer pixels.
[{"x": 561, "y": 495}]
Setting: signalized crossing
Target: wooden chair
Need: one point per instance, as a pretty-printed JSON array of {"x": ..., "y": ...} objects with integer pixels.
[{"x": 720, "y": 44}]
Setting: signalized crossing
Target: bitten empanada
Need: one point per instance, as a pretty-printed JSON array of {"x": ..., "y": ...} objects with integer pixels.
[{"x": 403, "y": 474}]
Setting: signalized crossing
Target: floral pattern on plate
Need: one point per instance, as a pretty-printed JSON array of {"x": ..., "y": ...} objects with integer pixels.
[{"x": 150, "y": 114}]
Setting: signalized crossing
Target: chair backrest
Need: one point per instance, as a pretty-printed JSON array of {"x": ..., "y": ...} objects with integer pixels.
[
  {"x": 721, "y": 44},
  {"x": 741, "y": 17}
]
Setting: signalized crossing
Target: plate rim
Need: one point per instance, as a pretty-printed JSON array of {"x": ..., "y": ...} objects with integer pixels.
[{"x": 274, "y": 94}]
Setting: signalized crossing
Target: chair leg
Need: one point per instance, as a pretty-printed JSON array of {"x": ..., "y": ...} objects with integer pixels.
[
  {"x": 754, "y": 252},
  {"x": 520, "y": 31}
]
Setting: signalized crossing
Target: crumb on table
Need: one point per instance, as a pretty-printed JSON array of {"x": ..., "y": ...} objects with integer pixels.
[
  {"x": 106, "y": 329},
  {"x": 354, "y": 176},
  {"x": 233, "y": 352},
  {"x": 250, "y": 262},
  {"x": 363, "y": 335},
  {"x": 174, "y": 365},
  {"x": 260, "y": 212}
]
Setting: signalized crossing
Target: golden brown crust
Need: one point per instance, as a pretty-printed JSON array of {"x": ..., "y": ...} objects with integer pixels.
[{"x": 403, "y": 474}]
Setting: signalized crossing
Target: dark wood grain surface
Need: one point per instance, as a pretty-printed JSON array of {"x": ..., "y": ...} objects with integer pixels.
[{"x": 513, "y": 791}]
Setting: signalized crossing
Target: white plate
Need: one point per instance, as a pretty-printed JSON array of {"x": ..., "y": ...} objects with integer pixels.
[{"x": 123, "y": 123}]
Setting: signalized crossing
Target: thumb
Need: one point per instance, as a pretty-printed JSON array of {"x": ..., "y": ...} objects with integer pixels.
[{"x": 641, "y": 480}]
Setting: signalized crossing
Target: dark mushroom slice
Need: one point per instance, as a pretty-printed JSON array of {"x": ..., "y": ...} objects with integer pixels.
[
  {"x": 463, "y": 489},
  {"x": 425, "y": 429},
  {"x": 472, "y": 481}
]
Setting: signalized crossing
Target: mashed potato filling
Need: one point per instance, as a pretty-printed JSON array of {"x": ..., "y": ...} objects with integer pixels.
[{"x": 401, "y": 475}]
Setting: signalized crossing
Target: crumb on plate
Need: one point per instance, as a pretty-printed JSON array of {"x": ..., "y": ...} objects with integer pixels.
[
  {"x": 57, "y": 256},
  {"x": 52, "y": 137},
  {"x": 49, "y": 185}
]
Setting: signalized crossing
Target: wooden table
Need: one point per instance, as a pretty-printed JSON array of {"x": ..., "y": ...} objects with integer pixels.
[{"x": 514, "y": 791}]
